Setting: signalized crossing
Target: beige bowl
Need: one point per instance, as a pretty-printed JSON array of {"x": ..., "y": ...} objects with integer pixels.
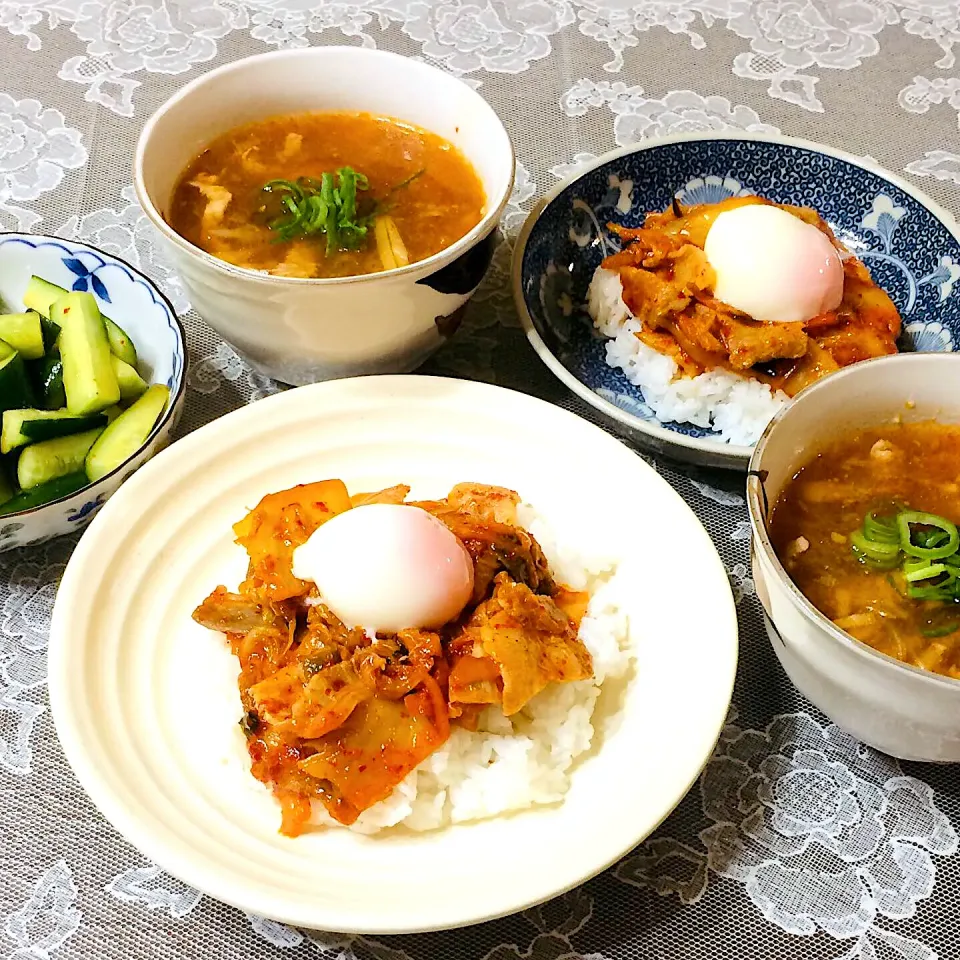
[
  {"x": 899, "y": 709},
  {"x": 297, "y": 330}
]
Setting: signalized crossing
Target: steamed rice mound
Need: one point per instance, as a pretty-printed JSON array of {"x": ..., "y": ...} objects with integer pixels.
[
  {"x": 423, "y": 727},
  {"x": 736, "y": 408}
]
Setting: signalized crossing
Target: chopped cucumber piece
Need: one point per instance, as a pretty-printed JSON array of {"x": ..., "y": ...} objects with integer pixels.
[
  {"x": 49, "y": 428},
  {"x": 15, "y": 390},
  {"x": 50, "y": 459},
  {"x": 121, "y": 346},
  {"x": 50, "y": 333},
  {"x": 48, "y": 380},
  {"x": 127, "y": 434},
  {"x": 24, "y": 333},
  {"x": 21, "y": 427},
  {"x": 45, "y": 493},
  {"x": 10, "y": 436},
  {"x": 130, "y": 382},
  {"x": 88, "y": 378},
  {"x": 41, "y": 295}
]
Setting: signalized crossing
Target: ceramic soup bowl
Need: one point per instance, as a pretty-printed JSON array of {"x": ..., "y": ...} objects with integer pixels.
[
  {"x": 899, "y": 709},
  {"x": 303, "y": 330}
]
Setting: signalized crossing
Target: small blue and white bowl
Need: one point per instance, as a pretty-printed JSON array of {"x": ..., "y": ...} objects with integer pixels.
[
  {"x": 909, "y": 243},
  {"x": 133, "y": 301}
]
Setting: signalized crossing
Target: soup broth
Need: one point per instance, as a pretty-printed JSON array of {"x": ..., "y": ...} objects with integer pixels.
[
  {"x": 899, "y": 596},
  {"x": 414, "y": 195}
]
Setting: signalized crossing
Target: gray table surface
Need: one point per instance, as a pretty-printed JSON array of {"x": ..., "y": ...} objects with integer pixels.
[{"x": 796, "y": 841}]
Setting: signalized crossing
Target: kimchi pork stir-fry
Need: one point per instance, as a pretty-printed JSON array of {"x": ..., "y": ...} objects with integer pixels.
[
  {"x": 669, "y": 286},
  {"x": 341, "y": 715}
]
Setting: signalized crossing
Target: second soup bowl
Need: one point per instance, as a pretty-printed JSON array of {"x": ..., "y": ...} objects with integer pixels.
[
  {"x": 893, "y": 706},
  {"x": 303, "y": 330}
]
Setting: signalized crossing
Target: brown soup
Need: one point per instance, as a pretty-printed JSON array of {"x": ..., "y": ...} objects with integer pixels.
[
  {"x": 327, "y": 195},
  {"x": 898, "y": 595}
]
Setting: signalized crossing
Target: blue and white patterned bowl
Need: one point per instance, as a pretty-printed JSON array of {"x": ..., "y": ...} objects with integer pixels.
[
  {"x": 128, "y": 297},
  {"x": 910, "y": 244}
]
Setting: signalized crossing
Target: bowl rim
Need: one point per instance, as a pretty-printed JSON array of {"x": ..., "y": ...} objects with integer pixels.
[
  {"x": 762, "y": 544},
  {"x": 736, "y": 455},
  {"x": 487, "y": 223},
  {"x": 175, "y": 395}
]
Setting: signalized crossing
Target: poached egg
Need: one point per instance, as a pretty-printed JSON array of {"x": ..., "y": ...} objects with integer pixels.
[
  {"x": 387, "y": 567},
  {"x": 772, "y": 265}
]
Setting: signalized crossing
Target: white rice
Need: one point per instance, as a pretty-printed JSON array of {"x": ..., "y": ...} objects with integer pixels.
[
  {"x": 736, "y": 408},
  {"x": 516, "y": 763}
]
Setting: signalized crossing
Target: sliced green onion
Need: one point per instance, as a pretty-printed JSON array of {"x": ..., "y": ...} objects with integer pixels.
[
  {"x": 874, "y": 553},
  {"x": 924, "y": 546},
  {"x": 917, "y": 570},
  {"x": 929, "y": 539},
  {"x": 944, "y": 630},
  {"x": 348, "y": 195},
  {"x": 924, "y": 590},
  {"x": 910, "y": 518},
  {"x": 881, "y": 529},
  {"x": 329, "y": 197},
  {"x": 335, "y": 205}
]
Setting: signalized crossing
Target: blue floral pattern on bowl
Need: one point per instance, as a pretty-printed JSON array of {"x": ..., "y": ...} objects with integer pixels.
[
  {"x": 133, "y": 301},
  {"x": 84, "y": 513},
  {"x": 911, "y": 251},
  {"x": 87, "y": 278}
]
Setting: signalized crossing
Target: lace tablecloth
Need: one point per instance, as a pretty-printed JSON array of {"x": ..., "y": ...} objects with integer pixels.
[{"x": 796, "y": 841}]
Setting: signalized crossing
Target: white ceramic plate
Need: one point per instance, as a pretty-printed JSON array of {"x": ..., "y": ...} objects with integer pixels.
[{"x": 145, "y": 700}]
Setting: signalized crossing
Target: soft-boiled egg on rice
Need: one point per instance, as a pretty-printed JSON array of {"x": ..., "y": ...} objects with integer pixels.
[
  {"x": 387, "y": 567},
  {"x": 772, "y": 265}
]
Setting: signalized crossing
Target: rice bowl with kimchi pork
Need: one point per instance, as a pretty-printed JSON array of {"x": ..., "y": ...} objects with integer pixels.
[
  {"x": 591, "y": 747},
  {"x": 722, "y": 312},
  {"x": 369, "y": 727}
]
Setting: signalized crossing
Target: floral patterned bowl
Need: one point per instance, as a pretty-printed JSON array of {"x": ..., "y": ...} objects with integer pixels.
[
  {"x": 143, "y": 311},
  {"x": 910, "y": 244}
]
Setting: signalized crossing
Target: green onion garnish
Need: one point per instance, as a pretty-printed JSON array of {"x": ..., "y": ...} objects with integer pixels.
[
  {"x": 943, "y": 630},
  {"x": 914, "y": 570},
  {"x": 331, "y": 206},
  {"x": 881, "y": 529},
  {"x": 924, "y": 546},
  {"x": 926, "y": 543},
  {"x": 311, "y": 207},
  {"x": 875, "y": 553}
]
